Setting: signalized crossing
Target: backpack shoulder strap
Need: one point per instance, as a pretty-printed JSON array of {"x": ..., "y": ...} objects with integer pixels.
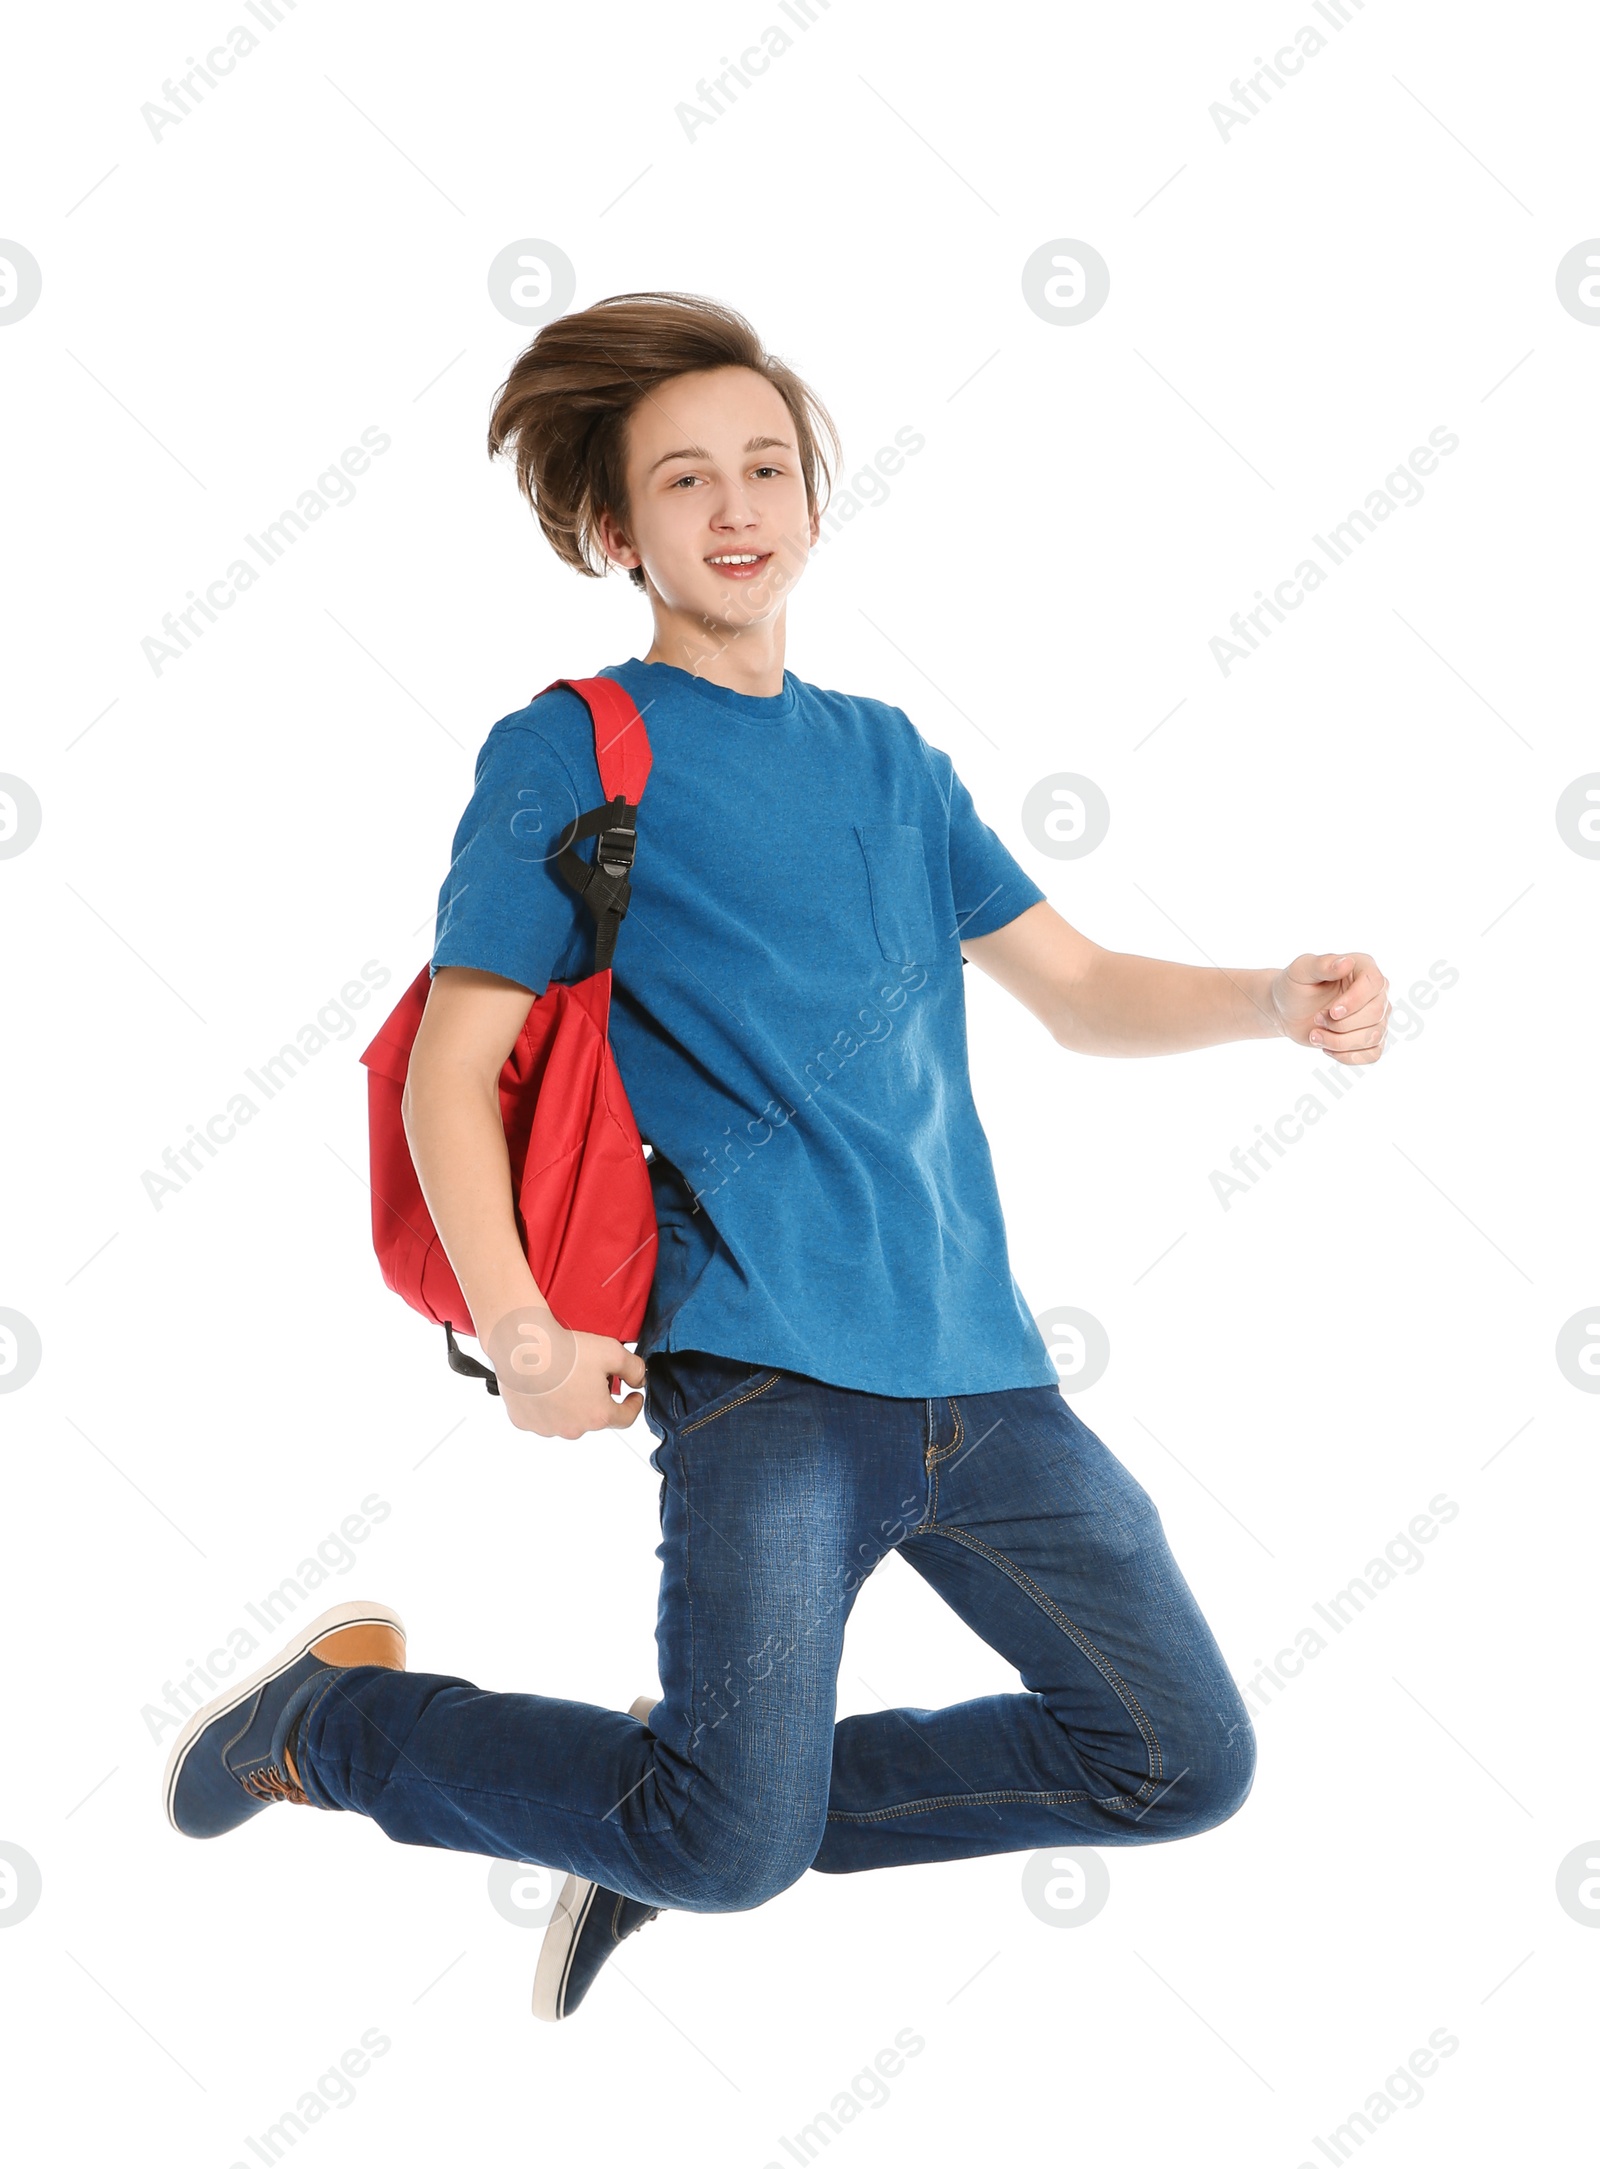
[
  {"x": 622, "y": 755},
  {"x": 621, "y": 744}
]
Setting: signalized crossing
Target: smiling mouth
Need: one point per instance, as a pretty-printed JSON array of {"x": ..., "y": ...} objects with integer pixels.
[{"x": 739, "y": 564}]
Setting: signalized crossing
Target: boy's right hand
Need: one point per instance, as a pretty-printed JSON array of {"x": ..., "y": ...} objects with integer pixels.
[{"x": 556, "y": 1383}]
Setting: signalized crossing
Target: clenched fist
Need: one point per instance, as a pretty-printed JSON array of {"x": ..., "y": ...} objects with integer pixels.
[
  {"x": 555, "y": 1382},
  {"x": 1338, "y": 1003}
]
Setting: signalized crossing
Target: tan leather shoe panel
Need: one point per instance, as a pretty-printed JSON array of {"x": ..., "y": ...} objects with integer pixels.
[{"x": 371, "y": 1641}]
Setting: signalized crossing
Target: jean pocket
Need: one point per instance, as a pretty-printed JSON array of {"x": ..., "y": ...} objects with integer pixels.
[
  {"x": 700, "y": 1386},
  {"x": 897, "y": 885}
]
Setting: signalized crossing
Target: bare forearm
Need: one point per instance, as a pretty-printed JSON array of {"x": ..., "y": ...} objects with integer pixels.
[
  {"x": 458, "y": 1147},
  {"x": 1132, "y": 1005},
  {"x": 1099, "y": 1001}
]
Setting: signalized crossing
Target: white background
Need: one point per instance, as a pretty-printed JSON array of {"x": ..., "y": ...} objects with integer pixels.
[{"x": 225, "y": 844}]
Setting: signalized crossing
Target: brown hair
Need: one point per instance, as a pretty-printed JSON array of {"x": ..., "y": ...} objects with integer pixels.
[{"x": 563, "y": 411}]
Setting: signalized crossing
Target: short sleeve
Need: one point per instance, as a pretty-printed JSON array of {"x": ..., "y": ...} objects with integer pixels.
[
  {"x": 504, "y": 907},
  {"x": 989, "y": 887}
]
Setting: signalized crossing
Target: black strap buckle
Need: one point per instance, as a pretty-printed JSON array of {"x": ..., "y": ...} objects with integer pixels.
[
  {"x": 615, "y": 846},
  {"x": 602, "y": 881}
]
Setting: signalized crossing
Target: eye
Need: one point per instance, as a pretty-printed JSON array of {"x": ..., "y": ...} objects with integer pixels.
[
  {"x": 769, "y": 470},
  {"x": 683, "y": 478}
]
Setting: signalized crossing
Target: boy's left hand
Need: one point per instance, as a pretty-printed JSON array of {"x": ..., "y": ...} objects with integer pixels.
[{"x": 1338, "y": 1003}]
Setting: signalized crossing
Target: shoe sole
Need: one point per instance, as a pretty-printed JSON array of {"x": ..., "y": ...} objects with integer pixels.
[
  {"x": 232, "y": 1698},
  {"x": 572, "y": 1909}
]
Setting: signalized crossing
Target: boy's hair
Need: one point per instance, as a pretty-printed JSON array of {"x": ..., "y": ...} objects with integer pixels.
[{"x": 563, "y": 411}]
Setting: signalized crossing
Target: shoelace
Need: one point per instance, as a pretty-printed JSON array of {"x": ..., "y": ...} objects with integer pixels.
[
  {"x": 643, "y": 1921},
  {"x": 271, "y": 1783}
]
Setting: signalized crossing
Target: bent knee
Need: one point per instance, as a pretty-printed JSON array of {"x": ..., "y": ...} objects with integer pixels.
[
  {"x": 1211, "y": 1782},
  {"x": 743, "y": 1874}
]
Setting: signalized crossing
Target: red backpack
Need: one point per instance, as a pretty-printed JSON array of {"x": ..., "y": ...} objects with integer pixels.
[{"x": 580, "y": 1181}]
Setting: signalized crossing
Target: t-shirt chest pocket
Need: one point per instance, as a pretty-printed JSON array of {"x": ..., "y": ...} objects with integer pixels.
[{"x": 897, "y": 885}]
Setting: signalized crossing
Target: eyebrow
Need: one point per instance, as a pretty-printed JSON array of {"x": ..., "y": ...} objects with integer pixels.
[{"x": 698, "y": 451}]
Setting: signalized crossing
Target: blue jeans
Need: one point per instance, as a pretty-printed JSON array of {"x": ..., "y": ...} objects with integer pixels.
[{"x": 779, "y": 1497}]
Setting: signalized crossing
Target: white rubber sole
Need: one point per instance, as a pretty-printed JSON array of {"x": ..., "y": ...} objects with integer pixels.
[
  {"x": 566, "y": 1922},
  {"x": 234, "y": 1696}
]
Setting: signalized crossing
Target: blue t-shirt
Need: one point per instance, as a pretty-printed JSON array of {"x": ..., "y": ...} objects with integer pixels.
[{"x": 788, "y": 1018}]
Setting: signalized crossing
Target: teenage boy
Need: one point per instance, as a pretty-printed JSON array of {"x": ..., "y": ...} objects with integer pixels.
[{"x": 840, "y": 1362}]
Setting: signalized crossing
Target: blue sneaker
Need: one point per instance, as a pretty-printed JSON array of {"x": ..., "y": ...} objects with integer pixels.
[
  {"x": 587, "y": 1925},
  {"x": 235, "y": 1756}
]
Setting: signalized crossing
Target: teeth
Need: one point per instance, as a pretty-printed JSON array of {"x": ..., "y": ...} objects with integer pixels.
[{"x": 744, "y": 557}]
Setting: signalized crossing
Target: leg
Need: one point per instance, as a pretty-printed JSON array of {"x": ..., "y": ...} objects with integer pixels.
[
  {"x": 719, "y": 1802},
  {"x": 1130, "y": 1730}
]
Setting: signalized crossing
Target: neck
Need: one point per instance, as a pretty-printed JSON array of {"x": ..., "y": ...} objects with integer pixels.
[{"x": 745, "y": 659}]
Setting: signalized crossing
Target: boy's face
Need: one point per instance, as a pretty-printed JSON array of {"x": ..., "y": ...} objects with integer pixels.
[{"x": 713, "y": 472}]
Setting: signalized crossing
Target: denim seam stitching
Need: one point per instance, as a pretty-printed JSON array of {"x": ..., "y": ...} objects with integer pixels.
[
  {"x": 716, "y": 1412},
  {"x": 979, "y": 1799},
  {"x": 943, "y": 1453},
  {"x": 1101, "y": 1662},
  {"x": 688, "y": 1598}
]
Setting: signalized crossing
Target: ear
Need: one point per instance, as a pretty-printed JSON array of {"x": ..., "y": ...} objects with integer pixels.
[
  {"x": 816, "y": 527},
  {"x": 614, "y": 541}
]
